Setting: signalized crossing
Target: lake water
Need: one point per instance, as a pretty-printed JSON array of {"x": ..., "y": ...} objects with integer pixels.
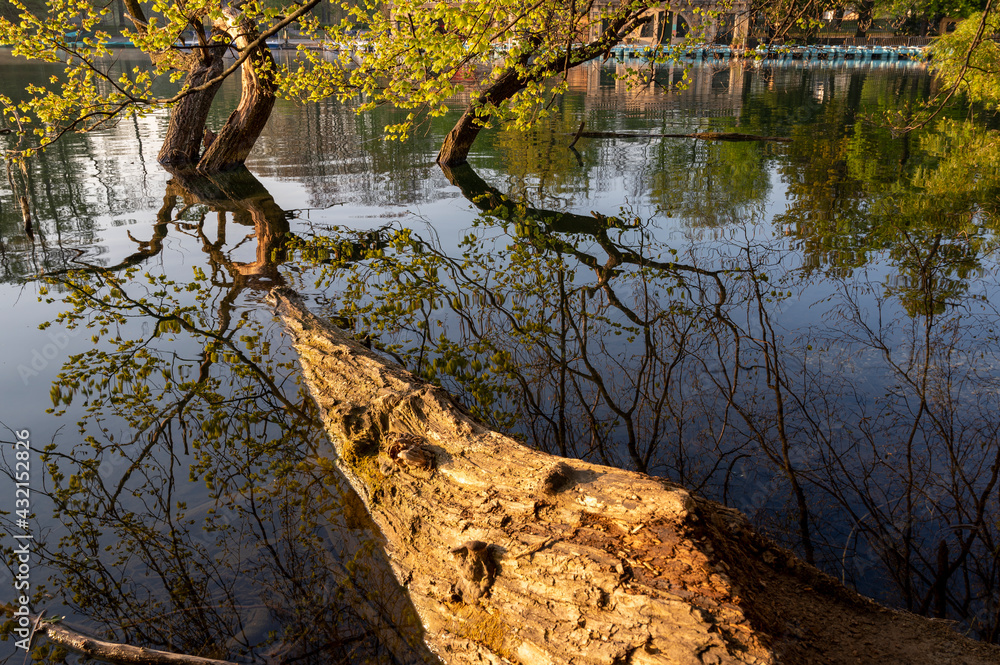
[{"x": 805, "y": 330}]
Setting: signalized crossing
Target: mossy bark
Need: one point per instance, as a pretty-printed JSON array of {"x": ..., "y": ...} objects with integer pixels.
[{"x": 574, "y": 547}]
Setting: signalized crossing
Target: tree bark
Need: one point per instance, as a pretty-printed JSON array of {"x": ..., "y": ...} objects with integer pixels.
[
  {"x": 182, "y": 145},
  {"x": 511, "y": 555},
  {"x": 455, "y": 149},
  {"x": 188, "y": 145},
  {"x": 232, "y": 145},
  {"x": 514, "y": 556}
]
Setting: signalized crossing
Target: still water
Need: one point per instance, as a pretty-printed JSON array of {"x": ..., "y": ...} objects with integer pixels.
[{"x": 802, "y": 329}]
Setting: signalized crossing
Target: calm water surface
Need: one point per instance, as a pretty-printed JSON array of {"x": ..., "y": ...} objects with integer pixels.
[{"x": 804, "y": 330}]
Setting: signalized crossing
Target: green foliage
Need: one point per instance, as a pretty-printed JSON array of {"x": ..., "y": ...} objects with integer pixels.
[
  {"x": 969, "y": 59},
  {"x": 501, "y": 59},
  {"x": 89, "y": 94},
  {"x": 93, "y": 90},
  {"x": 178, "y": 388},
  {"x": 143, "y": 378},
  {"x": 935, "y": 9},
  {"x": 415, "y": 284},
  {"x": 926, "y": 202},
  {"x": 10, "y": 12},
  {"x": 530, "y": 312}
]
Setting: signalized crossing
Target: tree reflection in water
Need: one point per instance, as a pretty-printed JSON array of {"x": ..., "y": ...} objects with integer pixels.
[
  {"x": 867, "y": 441},
  {"x": 203, "y": 513}
]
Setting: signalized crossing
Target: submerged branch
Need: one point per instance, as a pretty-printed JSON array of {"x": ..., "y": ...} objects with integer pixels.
[
  {"x": 703, "y": 136},
  {"x": 120, "y": 654},
  {"x": 111, "y": 652}
]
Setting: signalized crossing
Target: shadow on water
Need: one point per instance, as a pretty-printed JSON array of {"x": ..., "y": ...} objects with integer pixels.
[
  {"x": 867, "y": 441},
  {"x": 202, "y": 511}
]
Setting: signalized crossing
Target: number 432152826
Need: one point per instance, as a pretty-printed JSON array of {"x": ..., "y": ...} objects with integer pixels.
[{"x": 22, "y": 474}]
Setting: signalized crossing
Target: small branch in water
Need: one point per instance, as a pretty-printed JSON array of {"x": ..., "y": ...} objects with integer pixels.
[
  {"x": 578, "y": 132},
  {"x": 121, "y": 654},
  {"x": 704, "y": 136},
  {"x": 111, "y": 652}
]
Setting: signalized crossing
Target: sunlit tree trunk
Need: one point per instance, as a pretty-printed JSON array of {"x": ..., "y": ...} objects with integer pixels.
[
  {"x": 456, "y": 146},
  {"x": 189, "y": 145},
  {"x": 513, "y": 556},
  {"x": 232, "y": 145},
  {"x": 182, "y": 145}
]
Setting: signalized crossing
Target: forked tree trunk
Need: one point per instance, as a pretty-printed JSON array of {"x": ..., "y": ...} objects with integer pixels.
[
  {"x": 514, "y": 556},
  {"x": 233, "y": 143},
  {"x": 182, "y": 145},
  {"x": 187, "y": 145}
]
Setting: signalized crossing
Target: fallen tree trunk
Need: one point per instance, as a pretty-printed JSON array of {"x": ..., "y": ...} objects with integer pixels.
[{"x": 512, "y": 555}]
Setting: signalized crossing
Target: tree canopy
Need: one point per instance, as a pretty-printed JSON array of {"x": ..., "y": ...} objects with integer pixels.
[
  {"x": 968, "y": 60},
  {"x": 504, "y": 60},
  {"x": 94, "y": 90},
  {"x": 505, "y": 56}
]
